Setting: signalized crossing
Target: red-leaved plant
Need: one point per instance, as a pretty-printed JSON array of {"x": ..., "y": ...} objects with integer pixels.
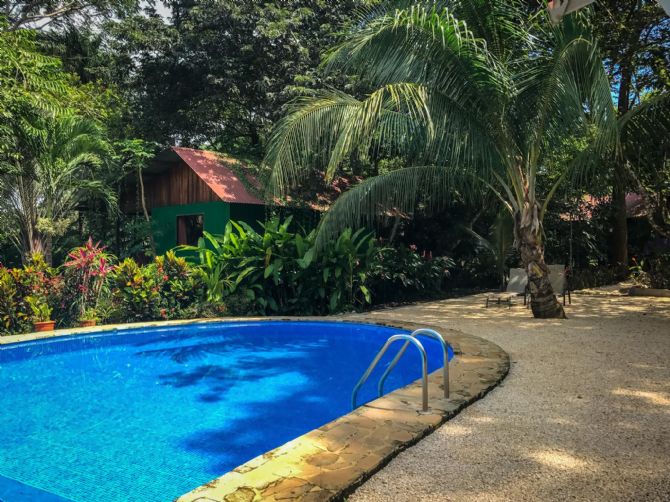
[{"x": 86, "y": 268}]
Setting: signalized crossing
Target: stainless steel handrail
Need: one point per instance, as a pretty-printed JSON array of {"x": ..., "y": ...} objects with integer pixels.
[
  {"x": 424, "y": 367},
  {"x": 445, "y": 359}
]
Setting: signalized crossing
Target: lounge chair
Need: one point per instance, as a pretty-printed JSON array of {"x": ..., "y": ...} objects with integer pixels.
[{"x": 518, "y": 281}]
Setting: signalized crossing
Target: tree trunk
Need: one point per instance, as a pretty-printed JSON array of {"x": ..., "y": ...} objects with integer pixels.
[
  {"x": 543, "y": 301},
  {"x": 619, "y": 222}
]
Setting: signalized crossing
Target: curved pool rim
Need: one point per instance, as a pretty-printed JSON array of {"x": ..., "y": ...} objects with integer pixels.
[{"x": 291, "y": 464}]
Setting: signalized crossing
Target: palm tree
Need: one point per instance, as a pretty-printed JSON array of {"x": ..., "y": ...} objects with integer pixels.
[
  {"x": 54, "y": 172},
  {"x": 472, "y": 93}
]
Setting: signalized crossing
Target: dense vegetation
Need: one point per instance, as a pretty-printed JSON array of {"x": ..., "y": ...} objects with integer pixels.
[
  {"x": 485, "y": 114},
  {"x": 272, "y": 272},
  {"x": 90, "y": 91}
]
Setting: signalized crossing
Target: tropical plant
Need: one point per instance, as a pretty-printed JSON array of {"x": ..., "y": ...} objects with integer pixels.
[
  {"x": 90, "y": 314},
  {"x": 401, "y": 274},
  {"x": 35, "y": 280},
  {"x": 135, "y": 293},
  {"x": 211, "y": 263},
  {"x": 85, "y": 271},
  {"x": 344, "y": 268},
  {"x": 41, "y": 311},
  {"x": 182, "y": 289},
  {"x": 277, "y": 270},
  {"x": 472, "y": 94},
  {"x": 40, "y": 190},
  {"x": 168, "y": 288},
  {"x": 11, "y": 318}
]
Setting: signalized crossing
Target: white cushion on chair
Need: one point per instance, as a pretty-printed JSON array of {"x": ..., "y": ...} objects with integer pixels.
[
  {"x": 557, "y": 278},
  {"x": 518, "y": 280}
]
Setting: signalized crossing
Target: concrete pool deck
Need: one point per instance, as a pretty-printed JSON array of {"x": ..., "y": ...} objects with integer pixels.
[{"x": 584, "y": 413}]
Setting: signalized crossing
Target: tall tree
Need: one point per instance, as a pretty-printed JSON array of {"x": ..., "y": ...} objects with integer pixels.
[
  {"x": 40, "y": 14},
  {"x": 471, "y": 94},
  {"x": 635, "y": 39},
  {"x": 48, "y": 149},
  {"x": 219, "y": 71}
]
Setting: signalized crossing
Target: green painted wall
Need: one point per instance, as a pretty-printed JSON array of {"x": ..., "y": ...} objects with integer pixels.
[
  {"x": 164, "y": 220},
  {"x": 216, "y": 216}
]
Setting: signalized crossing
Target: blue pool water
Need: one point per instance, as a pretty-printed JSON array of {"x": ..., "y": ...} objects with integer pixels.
[{"x": 149, "y": 414}]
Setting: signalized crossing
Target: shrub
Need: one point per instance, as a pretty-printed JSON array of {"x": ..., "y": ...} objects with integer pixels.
[
  {"x": 21, "y": 286},
  {"x": 659, "y": 271},
  {"x": 135, "y": 293},
  {"x": 401, "y": 274},
  {"x": 278, "y": 271},
  {"x": 594, "y": 277},
  {"x": 12, "y": 318},
  {"x": 181, "y": 287},
  {"x": 41, "y": 311},
  {"x": 169, "y": 288}
]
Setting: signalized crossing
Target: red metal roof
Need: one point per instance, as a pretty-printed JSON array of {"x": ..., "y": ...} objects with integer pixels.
[{"x": 216, "y": 170}]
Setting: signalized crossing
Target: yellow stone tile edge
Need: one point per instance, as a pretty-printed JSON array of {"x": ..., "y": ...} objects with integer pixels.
[{"x": 330, "y": 462}]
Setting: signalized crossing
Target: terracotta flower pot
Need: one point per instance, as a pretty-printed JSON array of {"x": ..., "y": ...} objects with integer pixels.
[
  {"x": 44, "y": 326},
  {"x": 89, "y": 323}
]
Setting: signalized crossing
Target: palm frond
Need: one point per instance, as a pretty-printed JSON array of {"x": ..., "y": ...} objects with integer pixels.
[
  {"x": 393, "y": 193},
  {"x": 326, "y": 128},
  {"x": 423, "y": 43},
  {"x": 564, "y": 89}
]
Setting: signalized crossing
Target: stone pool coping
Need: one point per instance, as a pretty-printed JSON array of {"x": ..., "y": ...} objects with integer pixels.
[{"x": 329, "y": 462}]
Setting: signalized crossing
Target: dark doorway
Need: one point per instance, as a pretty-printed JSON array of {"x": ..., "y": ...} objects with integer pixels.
[{"x": 189, "y": 229}]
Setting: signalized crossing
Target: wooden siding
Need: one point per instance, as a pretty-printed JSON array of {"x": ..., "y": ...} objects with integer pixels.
[{"x": 175, "y": 186}]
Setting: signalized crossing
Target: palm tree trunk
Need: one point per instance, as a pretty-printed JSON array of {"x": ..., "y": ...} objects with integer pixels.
[{"x": 543, "y": 301}]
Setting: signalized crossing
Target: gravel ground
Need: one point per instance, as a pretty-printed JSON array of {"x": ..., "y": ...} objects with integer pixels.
[{"x": 583, "y": 415}]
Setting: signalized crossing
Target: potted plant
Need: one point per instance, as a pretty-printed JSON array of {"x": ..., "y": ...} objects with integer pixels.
[
  {"x": 88, "y": 318},
  {"x": 41, "y": 313}
]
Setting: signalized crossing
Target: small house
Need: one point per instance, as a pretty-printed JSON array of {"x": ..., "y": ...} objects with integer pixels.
[{"x": 189, "y": 191}]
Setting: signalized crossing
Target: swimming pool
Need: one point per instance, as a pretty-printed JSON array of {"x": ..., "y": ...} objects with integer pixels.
[{"x": 148, "y": 414}]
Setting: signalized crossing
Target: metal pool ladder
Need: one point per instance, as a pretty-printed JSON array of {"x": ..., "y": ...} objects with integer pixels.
[{"x": 411, "y": 338}]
